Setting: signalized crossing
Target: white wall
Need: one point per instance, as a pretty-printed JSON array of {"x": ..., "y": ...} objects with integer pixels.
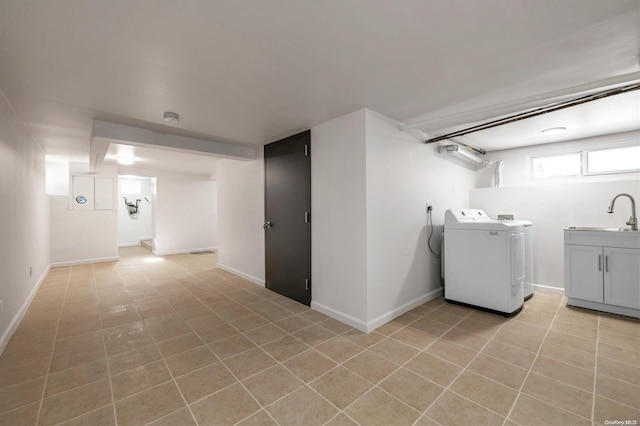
[
  {"x": 185, "y": 213},
  {"x": 339, "y": 225},
  {"x": 133, "y": 229},
  {"x": 518, "y": 164},
  {"x": 551, "y": 209},
  {"x": 185, "y": 210},
  {"x": 24, "y": 220},
  {"x": 402, "y": 175},
  {"x": 240, "y": 217},
  {"x": 370, "y": 186},
  {"x": 81, "y": 236},
  {"x": 553, "y": 204}
]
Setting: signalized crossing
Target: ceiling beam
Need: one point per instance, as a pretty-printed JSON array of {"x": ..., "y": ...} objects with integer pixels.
[
  {"x": 137, "y": 136},
  {"x": 430, "y": 124}
]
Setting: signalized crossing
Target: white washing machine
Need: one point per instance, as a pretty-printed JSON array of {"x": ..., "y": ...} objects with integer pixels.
[{"x": 484, "y": 261}]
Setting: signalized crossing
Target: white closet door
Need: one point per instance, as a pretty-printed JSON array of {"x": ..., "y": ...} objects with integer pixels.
[{"x": 104, "y": 190}]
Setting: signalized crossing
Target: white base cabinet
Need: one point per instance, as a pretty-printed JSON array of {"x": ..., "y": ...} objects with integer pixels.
[
  {"x": 622, "y": 277},
  {"x": 602, "y": 270}
]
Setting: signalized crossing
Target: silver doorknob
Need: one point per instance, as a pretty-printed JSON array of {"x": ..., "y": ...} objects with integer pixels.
[{"x": 267, "y": 224}]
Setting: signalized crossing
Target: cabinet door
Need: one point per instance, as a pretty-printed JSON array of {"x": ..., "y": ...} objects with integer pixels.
[
  {"x": 104, "y": 193},
  {"x": 583, "y": 272},
  {"x": 622, "y": 277}
]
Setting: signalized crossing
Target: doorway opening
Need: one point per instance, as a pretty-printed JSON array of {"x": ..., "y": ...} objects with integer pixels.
[{"x": 136, "y": 218}]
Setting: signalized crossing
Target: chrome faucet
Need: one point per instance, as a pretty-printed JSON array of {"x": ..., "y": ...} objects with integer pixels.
[{"x": 633, "y": 220}]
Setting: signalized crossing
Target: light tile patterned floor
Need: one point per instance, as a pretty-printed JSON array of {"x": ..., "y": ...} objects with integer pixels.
[{"x": 175, "y": 341}]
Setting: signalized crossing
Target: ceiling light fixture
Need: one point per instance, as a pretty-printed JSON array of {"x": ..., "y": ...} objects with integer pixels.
[
  {"x": 126, "y": 161},
  {"x": 554, "y": 131},
  {"x": 463, "y": 153},
  {"x": 171, "y": 117}
]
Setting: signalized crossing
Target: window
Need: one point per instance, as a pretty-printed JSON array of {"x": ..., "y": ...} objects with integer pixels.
[
  {"x": 597, "y": 162},
  {"x": 614, "y": 160},
  {"x": 130, "y": 187},
  {"x": 557, "y": 165}
]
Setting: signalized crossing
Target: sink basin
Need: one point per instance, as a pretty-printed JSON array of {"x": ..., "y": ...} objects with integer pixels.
[{"x": 586, "y": 228}]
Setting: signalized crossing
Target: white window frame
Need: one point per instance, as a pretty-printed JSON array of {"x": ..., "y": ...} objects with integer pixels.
[
  {"x": 584, "y": 165},
  {"x": 564, "y": 154},
  {"x": 585, "y": 162}
]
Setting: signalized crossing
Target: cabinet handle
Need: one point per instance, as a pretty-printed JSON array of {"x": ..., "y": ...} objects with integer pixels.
[
  {"x": 599, "y": 263},
  {"x": 606, "y": 263}
]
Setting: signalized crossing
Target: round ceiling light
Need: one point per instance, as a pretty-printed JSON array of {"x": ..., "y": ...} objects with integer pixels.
[
  {"x": 126, "y": 161},
  {"x": 171, "y": 117},
  {"x": 554, "y": 131}
]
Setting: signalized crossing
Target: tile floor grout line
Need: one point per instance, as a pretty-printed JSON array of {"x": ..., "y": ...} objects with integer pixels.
[
  {"x": 422, "y": 351},
  {"x": 304, "y": 383},
  {"x": 533, "y": 362},
  {"x": 238, "y": 381},
  {"x": 53, "y": 348},
  {"x": 193, "y": 284},
  {"x": 166, "y": 415},
  {"x": 104, "y": 347},
  {"x": 553, "y": 405},
  {"x": 595, "y": 373},
  {"x": 166, "y": 365},
  {"x": 447, "y": 388},
  {"x": 400, "y": 366}
]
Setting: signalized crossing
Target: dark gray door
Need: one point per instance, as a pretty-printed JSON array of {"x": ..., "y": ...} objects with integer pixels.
[{"x": 287, "y": 226}]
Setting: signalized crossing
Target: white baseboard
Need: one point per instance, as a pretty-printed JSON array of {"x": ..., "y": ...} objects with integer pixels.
[
  {"x": 129, "y": 244},
  {"x": 370, "y": 326},
  {"x": 15, "y": 321},
  {"x": 548, "y": 289},
  {"x": 340, "y": 316},
  {"x": 169, "y": 253},
  {"x": 395, "y": 313},
  {"x": 84, "y": 261},
  {"x": 241, "y": 274}
]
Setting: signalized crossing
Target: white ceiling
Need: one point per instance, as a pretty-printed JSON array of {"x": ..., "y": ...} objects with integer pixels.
[
  {"x": 251, "y": 72},
  {"x": 615, "y": 114}
]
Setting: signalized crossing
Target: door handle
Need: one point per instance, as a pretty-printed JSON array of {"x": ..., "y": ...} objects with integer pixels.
[
  {"x": 267, "y": 224},
  {"x": 599, "y": 263},
  {"x": 606, "y": 263}
]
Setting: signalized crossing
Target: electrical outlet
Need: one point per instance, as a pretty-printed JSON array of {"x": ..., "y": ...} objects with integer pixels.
[{"x": 429, "y": 208}]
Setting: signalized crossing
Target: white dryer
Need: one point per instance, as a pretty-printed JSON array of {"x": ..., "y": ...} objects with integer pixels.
[
  {"x": 528, "y": 258},
  {"x": 484, "y": 261}
]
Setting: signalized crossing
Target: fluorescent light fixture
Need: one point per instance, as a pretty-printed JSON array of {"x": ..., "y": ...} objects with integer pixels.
[
  {"x": 554, "y": 131},
  {"x": 126, "y": 161},
  {"x": 463, "y": 154}
]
